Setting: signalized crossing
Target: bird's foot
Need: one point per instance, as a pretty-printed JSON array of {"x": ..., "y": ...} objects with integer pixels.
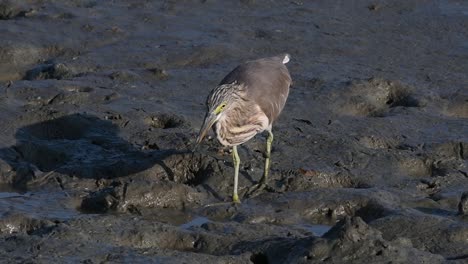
[
  {"x": 258, "y": 189},
  {"x": 235, "y": 201}
]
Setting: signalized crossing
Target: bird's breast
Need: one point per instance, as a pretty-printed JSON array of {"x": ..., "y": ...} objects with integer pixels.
[{"x": 236, "y": 127}]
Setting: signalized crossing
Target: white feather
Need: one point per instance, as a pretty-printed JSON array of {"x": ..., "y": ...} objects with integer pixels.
[{"x": 286, "y": 58}]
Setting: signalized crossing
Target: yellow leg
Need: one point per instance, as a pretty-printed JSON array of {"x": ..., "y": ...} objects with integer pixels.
[
  {"x": 267, "y": 158},
  {"x": 236, "y": 161}
]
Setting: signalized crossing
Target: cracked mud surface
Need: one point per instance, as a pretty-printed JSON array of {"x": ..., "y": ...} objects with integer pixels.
[{"x": 100, "y": 104}]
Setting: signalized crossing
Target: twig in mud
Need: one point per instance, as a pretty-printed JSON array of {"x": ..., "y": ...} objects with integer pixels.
[
  {"x": 43, "y": 178},
  {"x": 47, "y": 176}
]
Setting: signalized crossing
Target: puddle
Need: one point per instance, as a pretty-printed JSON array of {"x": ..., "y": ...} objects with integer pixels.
[
  {"x": 317, "y": 230},
  {"x": 169, "y": 216},
  {"x": 195, "y": 222},
  {"x": 10, "y": 195},
  {"x": 436, "y": 211},
  {"x": 41, "y": 205}
]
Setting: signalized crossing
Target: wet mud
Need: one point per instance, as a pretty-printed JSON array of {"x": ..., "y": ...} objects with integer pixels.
[{"x": 101, "y": 102}]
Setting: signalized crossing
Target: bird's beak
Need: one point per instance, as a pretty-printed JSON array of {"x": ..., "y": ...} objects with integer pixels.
[{"x": 210, "y": 119}]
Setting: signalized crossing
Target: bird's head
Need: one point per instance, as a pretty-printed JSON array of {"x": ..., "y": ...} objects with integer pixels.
[
  {"x": 213, "y": 115},
  {"x": 218, "y": 102}
]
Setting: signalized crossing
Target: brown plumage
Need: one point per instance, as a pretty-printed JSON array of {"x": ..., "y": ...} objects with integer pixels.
[{"x": 246, "y": 102}]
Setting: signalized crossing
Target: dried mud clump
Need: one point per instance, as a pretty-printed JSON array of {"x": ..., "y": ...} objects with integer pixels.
[
  {"x": 11, "y": 10},
  {"x": 165, "y": 121},
  {"x": 159, "y": 73},
  {"x": 375, "y": 97},
  {"x": 377, "y": 142},
  {"x": 349, "y": 241},
  {"x": 417, "y": 167},
  {"x": 463, "y": 204},
  {"x": 456, "y": 105},
  {"x": 124, "y": 75},
  {"x": 23, "y": 224},
  {"x": 307, "y": 179},
  {"x": 56, "y": 71},
  {"x": 138, "y": 195}
]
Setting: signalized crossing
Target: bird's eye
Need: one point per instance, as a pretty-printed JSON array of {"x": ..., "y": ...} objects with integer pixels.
[{"x": 220, "y": 108}]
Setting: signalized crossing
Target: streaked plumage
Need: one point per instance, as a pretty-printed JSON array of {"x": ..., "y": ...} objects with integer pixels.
[{"x": 246, "y": 102}]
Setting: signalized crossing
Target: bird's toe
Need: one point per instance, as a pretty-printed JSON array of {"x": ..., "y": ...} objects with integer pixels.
[{"x": 258, "y": 189}]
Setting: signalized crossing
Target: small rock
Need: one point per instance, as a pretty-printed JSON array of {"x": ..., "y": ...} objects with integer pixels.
[
  {"x": 373, "y": 7},
  {"x": 159, "y": 73},
  {"x": 102, "y": 201},
  {"x": 10, "y": 10},
  {"x": 49, "y": 71},
  {"x": 353, "y": 229},
  {"x": 124, "y": 75},
  {"x": 463, "y": 204}
]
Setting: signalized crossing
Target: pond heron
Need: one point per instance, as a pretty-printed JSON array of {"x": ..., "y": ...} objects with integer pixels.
[{"x": 247, "y": 102}]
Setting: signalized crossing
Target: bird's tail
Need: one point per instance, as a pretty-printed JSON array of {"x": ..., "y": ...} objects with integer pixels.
[{"x": 286, "y": 58}]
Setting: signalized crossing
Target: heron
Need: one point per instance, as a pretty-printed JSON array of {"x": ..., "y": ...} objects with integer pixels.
[{"x": 245, "y": 103}]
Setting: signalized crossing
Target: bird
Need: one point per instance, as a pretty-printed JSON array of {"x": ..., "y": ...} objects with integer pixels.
[{"x": 245, "y": 103}]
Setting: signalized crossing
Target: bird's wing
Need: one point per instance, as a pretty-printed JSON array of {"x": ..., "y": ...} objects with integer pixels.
[{"x": 267, "y": 83}]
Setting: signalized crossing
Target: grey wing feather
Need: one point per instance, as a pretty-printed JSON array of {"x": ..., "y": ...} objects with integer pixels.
[{"x": 267, "y": 83}]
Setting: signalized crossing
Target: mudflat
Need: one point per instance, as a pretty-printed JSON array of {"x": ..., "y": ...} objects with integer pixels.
[{"x": 101, "y": 103}]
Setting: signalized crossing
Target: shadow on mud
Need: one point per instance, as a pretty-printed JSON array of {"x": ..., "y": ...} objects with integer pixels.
[{"x": 81, "y": 146}]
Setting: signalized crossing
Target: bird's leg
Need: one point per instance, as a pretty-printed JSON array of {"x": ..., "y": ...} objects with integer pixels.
[
  {"x": 262, "y": 184},
  {"x": 264, "y": 178},
  {"x": 236, "y": 161}
]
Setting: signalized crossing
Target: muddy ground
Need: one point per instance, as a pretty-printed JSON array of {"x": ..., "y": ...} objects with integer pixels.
[{"x": 101, "y": 101}]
